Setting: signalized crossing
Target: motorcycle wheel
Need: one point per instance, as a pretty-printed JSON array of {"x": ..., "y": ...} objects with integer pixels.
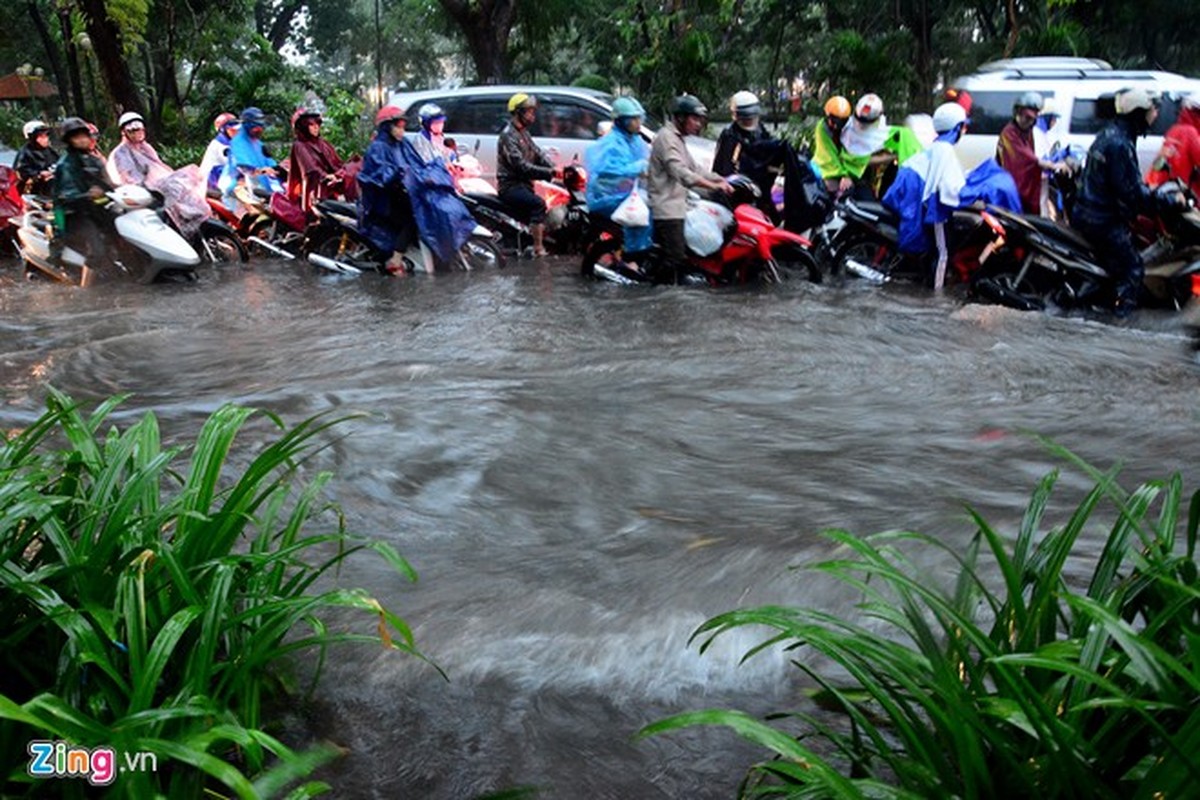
[
  {"x": 480, "y": 252},
  {"x": 792, "y": 259},
  {"x": 1001, "y": 287},
  {"x": 222, "y": 247},
  {"x": 347, "y": 248},
  {"x": 875, "y": 254},
  {"x": 602, "y": 262}
]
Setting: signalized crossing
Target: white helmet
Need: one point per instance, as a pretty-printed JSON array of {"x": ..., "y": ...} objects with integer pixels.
[
  {"x": 1129, "y": 100},
  {"x": 744, "y": 104},
  {"x": 130, "y": 117},
  {"x": 868, "y": 108},
  {"x": 34, "y": 127},
  {"x": 1049, "y": 108},
  {"x": 948, "y": 116}
]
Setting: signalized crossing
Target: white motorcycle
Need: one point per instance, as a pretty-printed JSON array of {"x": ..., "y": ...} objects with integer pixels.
[{"x": 145, "y": 248}]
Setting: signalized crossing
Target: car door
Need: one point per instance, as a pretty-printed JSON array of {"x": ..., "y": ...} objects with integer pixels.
[{"x": 566, "y": 126}]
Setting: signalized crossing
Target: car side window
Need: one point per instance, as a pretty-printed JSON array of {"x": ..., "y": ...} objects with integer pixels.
[
  {"x": 488, "y": 115},
  {"x": 567, "y": 118},
  {"x": 991, "y": 111}
]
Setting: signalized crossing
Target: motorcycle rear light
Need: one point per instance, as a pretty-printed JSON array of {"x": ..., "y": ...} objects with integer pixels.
[{"x": 1196, "y": 286}]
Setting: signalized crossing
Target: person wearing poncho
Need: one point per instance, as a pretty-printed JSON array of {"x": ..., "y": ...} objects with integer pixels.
[
  {"x": 614, "y": 163},
  {"x": 886, "y": 146},
  {"x": 839, "y": 168},
  {"x": 443, "y": 222},
  {"x": 314, "y": 170}
]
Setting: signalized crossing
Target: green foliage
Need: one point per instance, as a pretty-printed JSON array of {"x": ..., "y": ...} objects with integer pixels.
[
  {"x": 593, "y": 81},
  {"x": 148, "y": 609},
  {"x": 1019, "y": 680},
  {"x": 346, "y": 124},
  {"x": 12, "y": 120}
]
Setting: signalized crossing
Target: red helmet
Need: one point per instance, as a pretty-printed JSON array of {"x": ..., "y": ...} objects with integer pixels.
[
  {"x": 223, "y": 121},
  {"x": 389, "y": 114}
]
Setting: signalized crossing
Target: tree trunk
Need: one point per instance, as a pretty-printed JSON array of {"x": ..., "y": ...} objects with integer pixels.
[
  {"x": 277, "y": 30},
  {"x": 50, "y": 48},
  {"x": 486, "y": 25},
  {"x": 109, "y": 50},
  {"x": 73, "y": 75}
]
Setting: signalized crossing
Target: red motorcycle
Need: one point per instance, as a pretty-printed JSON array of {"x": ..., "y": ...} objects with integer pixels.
[{"x": 748, "y": 248}]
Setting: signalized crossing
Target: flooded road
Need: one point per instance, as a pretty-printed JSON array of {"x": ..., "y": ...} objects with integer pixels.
[{"x": 582, "y": 474}]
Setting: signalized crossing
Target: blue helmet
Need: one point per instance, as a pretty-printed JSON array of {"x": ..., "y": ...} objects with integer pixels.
[
  {"x": 254, "y": 116},
  {"x": 627, "y": 107}
]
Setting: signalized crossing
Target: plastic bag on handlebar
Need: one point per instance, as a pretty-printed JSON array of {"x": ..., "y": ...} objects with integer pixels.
[{"x": 633, "y": 211}]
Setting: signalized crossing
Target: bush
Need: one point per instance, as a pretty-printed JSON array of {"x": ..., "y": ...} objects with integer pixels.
[
  {"x": 148, "y": 611},
  {"x": 1039, "y": 689}
]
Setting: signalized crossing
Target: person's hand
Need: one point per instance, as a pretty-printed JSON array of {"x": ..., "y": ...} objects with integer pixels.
[
  {"x": 845, "y": 185},
  {"x": 95, "y": 193}
]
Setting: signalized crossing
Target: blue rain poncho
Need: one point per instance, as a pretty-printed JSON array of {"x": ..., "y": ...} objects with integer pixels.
[
  {"x": 383, "y": 207},
  {"x": 443, "y": 221},
  {"x": 613, "y": 164},
  {"x": 246, "y": 154}
]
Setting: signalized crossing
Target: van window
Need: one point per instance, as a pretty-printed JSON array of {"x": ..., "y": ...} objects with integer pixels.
[
  {"x": 1090, "y": 116},
  {"x": 991, "y": 111}
]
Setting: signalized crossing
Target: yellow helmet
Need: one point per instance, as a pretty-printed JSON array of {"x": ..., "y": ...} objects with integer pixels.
[
  {"x": 838, "y": 106},
  {"x": 521, "y": 100}
]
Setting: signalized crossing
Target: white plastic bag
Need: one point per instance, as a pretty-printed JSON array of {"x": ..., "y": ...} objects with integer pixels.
[
  {"x": 633, "y": 211},
  {"x": 704, "y": 227}
]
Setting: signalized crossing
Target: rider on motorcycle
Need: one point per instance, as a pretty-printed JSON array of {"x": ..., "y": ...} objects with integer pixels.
[
  {"x": 1017, "y": 151},
  {"x": 1180, "y": 154},
  {"x": 134, "y": 160},
  {"x": 385, "y": 214},
  {"x": 672, "y": 172},
  {"x": 614, "y": 164},
  {"x": 519, "y": 162},
  {"x": 315, "y": 170},
  {"x": 443, "y": 221},
  {"x": 35, "y": 160},
  {"x": 887, "y": 146},
  {"x": 79, "y": 182},
  {"x": 247, "y": 157},
  {"x": 1112, "y": 194},
  {"x": 216, "y": 155},
  {"x": 746, "y": 148},
  {"x": 838, "y": 167}
]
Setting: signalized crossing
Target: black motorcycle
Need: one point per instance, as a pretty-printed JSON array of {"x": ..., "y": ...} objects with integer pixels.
[{"x": 567, "y": 223}]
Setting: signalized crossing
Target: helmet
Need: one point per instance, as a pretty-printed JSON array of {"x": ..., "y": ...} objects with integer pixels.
[
  {"x": 34, "y": 127},
  {"x": 302, "y": 113},
  {"x": 1029, "y": 100},
  {"x": 223, "y": 121},
  {"x": 389, "y": 114},
  {"x": 520, "y": 101},
  {"x": 837, "y": 106},
  {"x": 868, "y": 108},
  {"x": 960, "y": 96},
  {"x": 72, "y": 126},
  {"x": 1131, "y": 100},
  {"x": 254, "y": 116},
  {"x": 1190, "y": 102},
  {"x": 627, "y": 107},
  {"x": 129, "y": 118},
  {"x": 429, "y": 112},
  {"x": 948, "y": 116},
  {"x": 744, "y": 104},
  {"x": 688, "y": 105}
]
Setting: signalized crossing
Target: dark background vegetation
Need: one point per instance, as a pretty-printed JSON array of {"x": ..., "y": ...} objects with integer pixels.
[{"x": 182, "y": 61}]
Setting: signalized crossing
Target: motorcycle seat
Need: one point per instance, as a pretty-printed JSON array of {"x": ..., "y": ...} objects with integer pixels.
[
  {"x": 872, "y": 209},
  {"x": 1052, "y": 229},
  {"x": 489, "y": 200},
  {"x": 338, "y": 207}
]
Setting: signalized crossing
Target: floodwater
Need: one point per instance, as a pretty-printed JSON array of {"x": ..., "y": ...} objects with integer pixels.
[{"x": 582, "y": 474}]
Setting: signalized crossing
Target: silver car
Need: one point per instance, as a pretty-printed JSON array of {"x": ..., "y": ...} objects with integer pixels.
[{"x": 569, "y": 119}]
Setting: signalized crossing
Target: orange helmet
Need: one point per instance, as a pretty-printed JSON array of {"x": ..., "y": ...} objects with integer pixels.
[{"x": 838, "y": 106}]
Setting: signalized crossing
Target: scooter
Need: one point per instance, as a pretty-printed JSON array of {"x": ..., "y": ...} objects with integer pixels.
[
  {"x": 1038, "y": 264},
  {"x": 334, "y": 243},
  {"x": 566, "y": 217},
  {"x": 11, "y": 208},
  {"x": 145, "y": 248},
  {"x": 745, "y": 247}
]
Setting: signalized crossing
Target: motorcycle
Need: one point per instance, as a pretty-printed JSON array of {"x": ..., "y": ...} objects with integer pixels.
[
  {"x": 11, "y": 207},
  {"x": 863, "y": 240},
  {"x": 744, "y": 247},
  {"x": 566, "y": 204},
  {"x": 334, "y": 243},
  {"x": 1037, "y": 264},
  {"x": 145, "y": 248}
]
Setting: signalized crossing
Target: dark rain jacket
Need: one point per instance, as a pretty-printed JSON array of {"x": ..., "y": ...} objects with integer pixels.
[
  {"x": 1111, "y": 191},
  {"x": 311, "y": 160},
  {"x": 74, "y": 176},
  {"x": 520, "y": 162},
  {"x": 30, "y": 161}
]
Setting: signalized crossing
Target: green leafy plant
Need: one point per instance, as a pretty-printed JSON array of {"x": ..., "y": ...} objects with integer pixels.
[
  {"x": 149, "y": 610},
  {"x": 1043, "y": 687}
]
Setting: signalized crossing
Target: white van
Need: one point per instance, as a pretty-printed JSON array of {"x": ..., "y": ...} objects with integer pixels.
[
  {"x": 568, "y": 120},
  {"x": 1078, "y": 86}
]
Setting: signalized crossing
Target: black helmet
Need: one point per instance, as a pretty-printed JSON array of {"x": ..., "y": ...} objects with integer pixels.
[
  {"x": 688, "y": 105},
  {"x": 72, "y": 126}
]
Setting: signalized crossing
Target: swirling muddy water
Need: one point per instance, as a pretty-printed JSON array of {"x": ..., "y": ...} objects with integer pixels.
[{"x": 582, "y": 474}]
